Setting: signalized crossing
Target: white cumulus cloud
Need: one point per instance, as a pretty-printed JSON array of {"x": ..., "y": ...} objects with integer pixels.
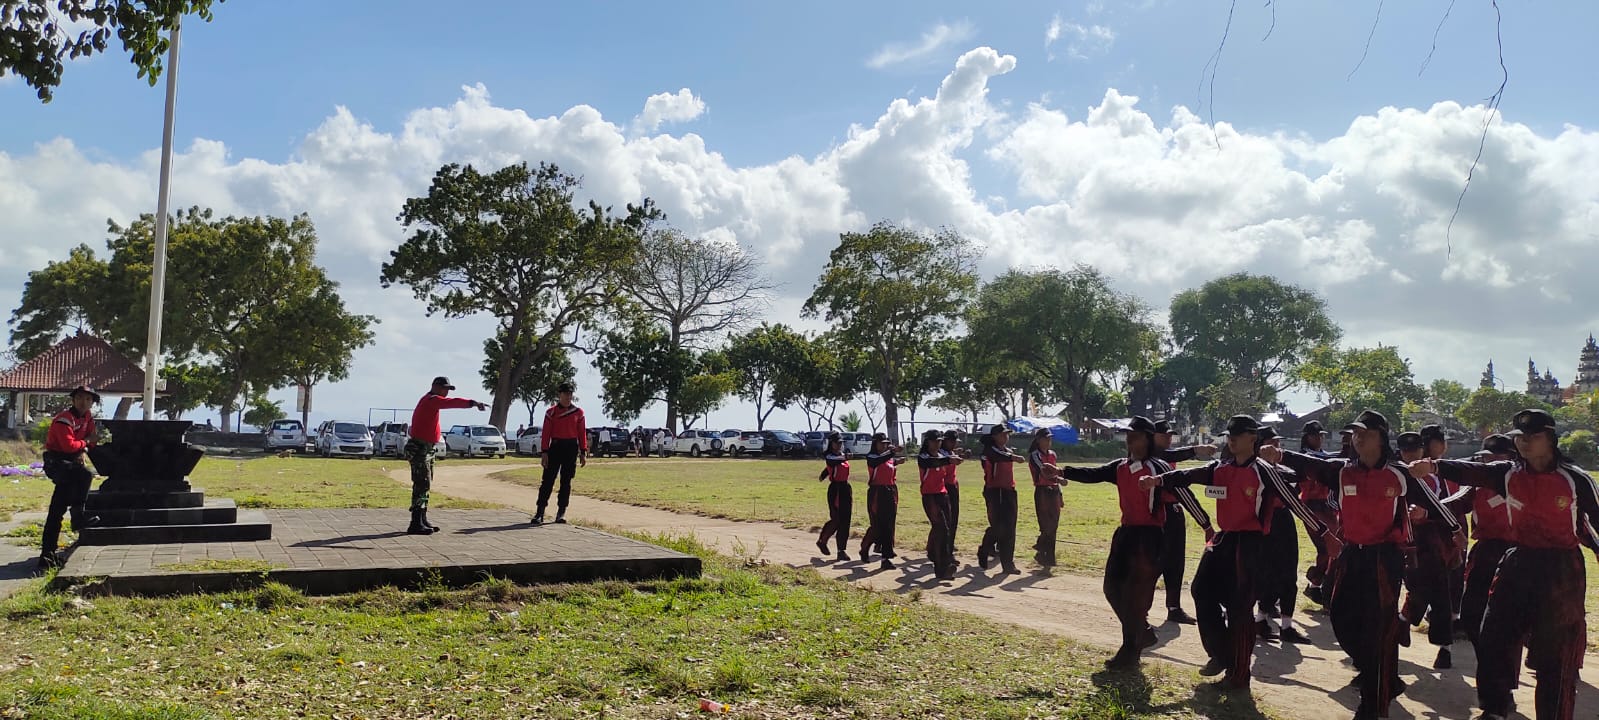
[
  {"x": 1082, "y": 41},
  {"x": 938, "y": 37},
  {"x": 678, "y": 107}
]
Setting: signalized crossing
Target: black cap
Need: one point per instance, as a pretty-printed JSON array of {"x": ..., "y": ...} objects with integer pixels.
[
  {"x": 565, "y": 387},
  {"x": 1139, "y": 423},
  {"x": 1410, "y": 441},
  {"x": 879, "y": 437},
  {"x": 1347, "y": 430},
  {"x": 1482, "y": 455},
  {"x": 997, "y": 429},
  {"x": 1499, "y": 444},
  {"x": 929, "y": 436},
  {"x": 834, "y": 436},
  {"x": 1163, "y": 427},
  {"x": 1041, "y": 432},
  {"x": 1266, "y": 432},
  {"x": 1531, "y": 421},
  {"x": 1239, "y": 424},
  {"x": 950, "y": 434},
  {"x": 444, "y": 382},
  {"x": 1432, "y": 432},
  {"x": 84, "y": 390},
  {"x": 1370, "y": 420},
  {"x": 1313, "y": 428}
]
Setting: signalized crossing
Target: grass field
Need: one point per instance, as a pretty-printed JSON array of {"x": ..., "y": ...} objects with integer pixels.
[{"x": 770, "y": 642}]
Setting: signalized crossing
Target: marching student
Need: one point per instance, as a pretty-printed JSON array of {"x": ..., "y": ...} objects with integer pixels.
[
  {"x": 951, "y": 447},
  {"x": 1537, "y": 596},
  {"x": 931, "y": 463},
  {"x": 565, "y": 445},
  {"x": 1427, "y": 580},
  {"x": 1174, "y": 552},
  {"x": 882, "y": 500},
  {"x": 999, "y": 497},
  {"x": 66, "y": 463},
  {"x": 1434, "y": 446},
  {"x": 1244, "y": 487},
  {"x": 1314, "y": 492},
  {"x": 1280, "y": 555},
  {"x": 1490, "y": 533},
  {"x": 1133, "y": 565},
  {"x": 1047, "y": 500},
  {"x": 422, "y": 436},
  {"x": 840, "y": 502},
  {"x": 1363, "y": 602}
]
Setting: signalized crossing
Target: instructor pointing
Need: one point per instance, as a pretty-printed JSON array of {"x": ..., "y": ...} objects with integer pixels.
[{"x": 424, "y": 436}]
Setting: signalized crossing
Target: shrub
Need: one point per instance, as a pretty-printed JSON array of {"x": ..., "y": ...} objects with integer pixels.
[{"x": 1580, "y": 446}]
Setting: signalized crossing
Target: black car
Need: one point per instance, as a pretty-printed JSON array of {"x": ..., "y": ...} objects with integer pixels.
[
  {"x": 782, "y": 443},
  {"x": 610, "y": 441},
  {"x": 815, "y": 443}
]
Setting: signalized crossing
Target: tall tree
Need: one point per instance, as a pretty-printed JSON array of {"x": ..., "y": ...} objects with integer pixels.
[
  {"x": 892, "y": 291},
  {"x": 1361, "y": 379},
  {"x": 639, "y": 367},
  {"x": 321, "y": 337},
  {"x": 35, "y": 42},
  {"x": 707, "y": 388},
  {"x": 831, "y": 372},
  {"x": 1489, "y": 410},
  {"x": 538, "y": 383},
  {"x": 1066, "y": 327},
  {"x": 512, "y": 244},
  {"x": 767, "y": 360},
  {"x": 1255, "y": 327}
]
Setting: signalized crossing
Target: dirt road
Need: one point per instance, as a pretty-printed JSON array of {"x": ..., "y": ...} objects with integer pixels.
[{"x": 1308, "y": 682}]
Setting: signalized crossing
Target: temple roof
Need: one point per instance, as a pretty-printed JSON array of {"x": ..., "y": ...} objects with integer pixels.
[{"x": 77, "y": 360}]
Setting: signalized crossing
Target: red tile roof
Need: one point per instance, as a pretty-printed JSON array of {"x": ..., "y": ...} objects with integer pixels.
[{"x": 78, "y": 360}]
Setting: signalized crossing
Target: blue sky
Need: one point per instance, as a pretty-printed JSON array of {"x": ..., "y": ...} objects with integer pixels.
[{"x": 1317, "y": 167}]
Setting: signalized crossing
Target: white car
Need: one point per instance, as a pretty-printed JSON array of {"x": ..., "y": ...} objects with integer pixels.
[
  {"x": 341, "y": 438},
  {"x": 390, "y": 438},
  {"x": 528, "y": 442},
  {"x": 476, "y": 440},
  {"x": 741, "y": 442},
  {"x": 286, "y": 434},
  {"x": 695, "y": 443}
]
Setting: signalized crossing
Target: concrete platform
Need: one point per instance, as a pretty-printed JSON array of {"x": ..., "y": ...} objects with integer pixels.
[{"x": 345, "y": 550}]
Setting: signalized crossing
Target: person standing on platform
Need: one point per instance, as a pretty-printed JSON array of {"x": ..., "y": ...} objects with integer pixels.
[
  {"x": 882, "y": 500},
  {"x": 1174, "y": 552},
  {"x": 422, "y": 438},
  {"x": 840, "y": 501},
  {"x": 564, "y": 445},
  {"x": 999, "y": 497},
  {"x": 66, "y": 463},
  {"x": 1047, "y": 500}
]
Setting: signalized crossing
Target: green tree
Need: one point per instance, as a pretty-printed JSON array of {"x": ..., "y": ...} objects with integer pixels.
[
  {"x": 851, "y": 421},
  {"x": 35, "y": 42},
  {"x": 1444, "y": 397},
  {"x": 891, "y": 292},
  {"x": 638, "y": 367},
  {"x": 1361, "y": 379},
  {"x": 538, "y": 383},
  {"x": 1254, "y": 327},
  {"x": 767, "y": 359},
  {"x": 832, "y": 372},
  {"x": 707, "y": 388},
  {"x": 189, "y": 386},
  {"x": 319, "y": 337},
  {"x": 1581, "y": 448},
  {"x": 260, "y": 411},
  {"x": 1574, "y": 417},
  {"x": 1489, "y": 410},
  {"x": 66, "y": 297},
  {"x": 511, "y": 244},
  {"x": 1066, "y": 327}
]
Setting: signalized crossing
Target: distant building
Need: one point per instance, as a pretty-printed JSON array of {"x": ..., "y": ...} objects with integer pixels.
[
  {"x": 1545, "y": 388},
  {"x": 1587, "y": 368},
  {"x": 1488, "y": 380}
]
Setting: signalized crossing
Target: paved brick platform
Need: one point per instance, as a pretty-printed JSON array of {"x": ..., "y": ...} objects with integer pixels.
[{"x": 344, "y": 550}]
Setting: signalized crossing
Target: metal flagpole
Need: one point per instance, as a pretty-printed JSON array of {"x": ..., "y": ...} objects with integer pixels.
[{"x": 158, "y": 280}]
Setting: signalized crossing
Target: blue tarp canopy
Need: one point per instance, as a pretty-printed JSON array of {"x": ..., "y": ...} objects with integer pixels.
[{"x": 1059, "y": 430}]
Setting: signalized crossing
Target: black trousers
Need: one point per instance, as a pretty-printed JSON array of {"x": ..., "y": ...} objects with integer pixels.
[
  {"x": 1279, "y": 582},
  {"x": 1481, "y": 564},
  {"x": 72, "y": 482},
  {"x": 1536, "y": 602},
  {"x": 1327, "y": 544},
  {"x": 840, "y": 505},
  {"x": 999, "y": 540},
  {"x": 882, "y": 511},
  {"x": 1224, "y": 595},
  {"x": 562, "y": 460},
  {"x": 1427, "y": 585},
  {"x": 936, "y": 505},
  {"x": 953, "y": 512},
  {"x": 1131, "y": 570},
  {"x": 1174, "y": 555},
  {"x": 1046, "y": 504},
  {"x": 1364, "y": 610}
]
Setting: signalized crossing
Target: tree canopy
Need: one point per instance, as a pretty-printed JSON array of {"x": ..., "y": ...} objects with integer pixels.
[
  {"x": 1489, "y": 410},
  {"x": 36, "y": 39},
  {"x": 1361, "y": 379},
  {"x": 1255, "y": 327}
]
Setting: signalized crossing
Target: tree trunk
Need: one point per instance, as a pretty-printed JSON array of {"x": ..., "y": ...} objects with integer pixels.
[
  {"x": 671, "y": 412},
  {"x": 124, "y": 406},
  {"x": 891, "y": 417},
  {"x": 232, "y": 403}
]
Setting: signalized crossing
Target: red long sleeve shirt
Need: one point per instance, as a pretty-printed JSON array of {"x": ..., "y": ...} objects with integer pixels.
[
  {"x": 425, "y": 419},
  {"x": 564, "y": 423},
  {"x": 70, "y": 433}
]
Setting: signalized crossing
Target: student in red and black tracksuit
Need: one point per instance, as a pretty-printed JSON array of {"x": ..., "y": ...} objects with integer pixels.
[
  {"x": 1174, "y": 552},
  {"x": 1490, "y": 533},
  {"x": 66, "y": 452},
  {"x": 999, "y": 497},
  {"x": 1278, "y": 587},
  {"x": 1374, "y": 495},
  {"x": 840, "y": 500},
  {"x": 1537, "y": 595},
  {"x": 1314, "y": 493},
  {"x": 565, "y": 445},
  {"x": 1047, "y": 500},
  {"x": 422, "y": 437},
  {"x": 930, "y": 464},
  {"x": 882, "y": 500},
  {"x": 1435, "y": 446},
  {"x": 951, "y": 447},
  {"x": 1427, "y": 580},
  {"x": 1133, "y": 565},
  {"x": 1244, "y": 488}
]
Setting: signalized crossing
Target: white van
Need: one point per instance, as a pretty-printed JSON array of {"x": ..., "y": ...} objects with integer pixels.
[{"x": 285, "y": 434}]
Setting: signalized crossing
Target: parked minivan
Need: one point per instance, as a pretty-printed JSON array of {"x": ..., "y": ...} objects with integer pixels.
[{"x": 285, "y": 434}]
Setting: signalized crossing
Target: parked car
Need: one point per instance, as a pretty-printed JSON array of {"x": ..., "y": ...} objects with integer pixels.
[
  {"x": 474, "y": 440},
  {"x": 815, "y": 442},
  {"x": 390, "y": 438},
  {"x": 610, "y": 441},
  {"x": 342, "y": 438},
  {"x": 742, "y": 442},
  {"x": 528, "y": 442},
  {"x": 658, "y": 441},
  {"x": 857, "y": 443},
  {"x": 781, "y": 443},
  {"x": 695, "y": 443},
  {"x": 286, "y": 434}
]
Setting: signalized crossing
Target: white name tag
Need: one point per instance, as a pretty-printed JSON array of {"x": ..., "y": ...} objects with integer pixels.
[
  {"x": 1216, "y": 492},
  {"x": 1496, "y": 501},
  {"x": 1350, "y": 490}
]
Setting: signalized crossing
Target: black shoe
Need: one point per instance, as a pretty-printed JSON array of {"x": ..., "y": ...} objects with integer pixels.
[
  {"x": 886, "y": 564},
  {"x": 560, "y": 518},
  {"x": 1125, "y": 658},
  {"x": 1445, "y": 660},
  {"x": 427, "y": 524},
  {"x": 1399, "y": 687},
  {"x": 822, "y": 546},
  {"x": 50, "y": 561},
  {"x": 1265, "y": 631},
  {"x": 1404, "y": 633},
  {"x": 1213, "y": 668},
  {"x": 865, "y": 556},
  {"x": 982, "y": 557},
  {"x": 1177, "y": 615},
  {"x": 1315, "y": 594},
  {"x": 1147, "y": 638},
  {"x": 843, "y": 557},
  {"x": 1010, "y": 570},
  {"x": 537, "y": 519},
  {"x": 417, "y": 528},
  {"x": 1293, "y": 635}
]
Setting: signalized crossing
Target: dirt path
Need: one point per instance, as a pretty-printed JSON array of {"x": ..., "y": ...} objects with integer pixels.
[{"x": 1306, "y": 682}]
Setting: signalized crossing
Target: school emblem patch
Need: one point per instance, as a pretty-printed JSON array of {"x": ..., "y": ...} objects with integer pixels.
[
  {"x": 1391, "y": 492},
  {"x": 1562, "y": 502},
  {"x": 1249, "y": 492}
]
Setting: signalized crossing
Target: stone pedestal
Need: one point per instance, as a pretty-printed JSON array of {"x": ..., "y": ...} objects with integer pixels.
[{"x": 146, "y": 497}]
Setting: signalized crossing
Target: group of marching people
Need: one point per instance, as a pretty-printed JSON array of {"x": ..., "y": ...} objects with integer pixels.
[{"x": 1383, "y": 515}]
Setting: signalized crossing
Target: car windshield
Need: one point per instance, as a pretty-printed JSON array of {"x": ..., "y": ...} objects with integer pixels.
[
  {"x": 784, "y": 436},
  {"x": 813, "y": 436},
  {"x": 729, "y": 433},
  {"x": 286, "y": 425},
  {"x": 486, "y": 431},
  {"x": 349, "y": 429}
]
